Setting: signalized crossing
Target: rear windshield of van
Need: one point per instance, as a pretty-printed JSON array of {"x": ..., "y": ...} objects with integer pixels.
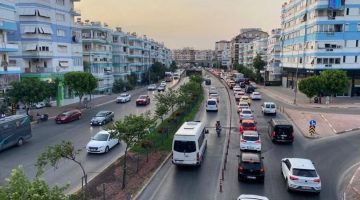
[
  {"x": 211, "y": 102},
  {"x": 184, "y": 146},
  {"x": 284, "y": 130}
]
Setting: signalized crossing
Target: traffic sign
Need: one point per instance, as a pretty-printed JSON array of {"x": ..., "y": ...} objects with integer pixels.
[
  {"x": 312, "y": 122},
  {"x": 312, "y": 130}
]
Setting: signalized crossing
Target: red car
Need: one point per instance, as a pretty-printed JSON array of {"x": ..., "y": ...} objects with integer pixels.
[
  {"x": 68, "y": 116},
  {"x": 247, "y": 125},
  {"x": 143, "y": 100}
]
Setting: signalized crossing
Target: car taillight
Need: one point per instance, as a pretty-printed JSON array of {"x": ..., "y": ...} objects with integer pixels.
[
  {"x": 198, "y": 157},
  {"x": 293, "y": 178},
  {"x": 273, "y": 133},
  {"x": 262, "y": 170},
  {"x": 317, "y": 180},
  {"x": 241, "y": 169},
  {"x": 241, "y": 129}
]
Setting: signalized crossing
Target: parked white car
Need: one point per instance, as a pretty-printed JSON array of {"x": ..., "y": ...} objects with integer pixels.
[
  {"x": 300, "y": 174},
  {"x": 40, "y": 105},
  {"x": 251, "y": 197},
  {"x": 101, "y": 143},
  {"x": 123, "y": 98},
  {"x": 268, "y": 108},
  {"x": 250, "y": 140},
  {"x": 255, "y": 96}
]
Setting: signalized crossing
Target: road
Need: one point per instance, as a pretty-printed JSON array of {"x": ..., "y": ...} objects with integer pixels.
[
  {"x": 79, "y": 133},
  {"x": 331, "y": 156}
]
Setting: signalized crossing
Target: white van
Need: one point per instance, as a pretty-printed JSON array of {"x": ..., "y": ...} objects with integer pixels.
[
  {"x": 212, "y": 105},
  {"x": 189, "y": 144}
]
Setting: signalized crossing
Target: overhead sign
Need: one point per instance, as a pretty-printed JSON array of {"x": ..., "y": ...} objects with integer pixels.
[
  {"x": 312, "y": 122},
  {"x": 336, "y": 4}
]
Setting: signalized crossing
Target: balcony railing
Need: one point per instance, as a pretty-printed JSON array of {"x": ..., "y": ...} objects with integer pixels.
[
  {"x": 75, "y": 12},
  {"x": 8, "y": 47},
  {"x": 38, "y": 54}
]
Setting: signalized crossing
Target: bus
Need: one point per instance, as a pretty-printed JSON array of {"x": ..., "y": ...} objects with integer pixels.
[
  {"x": 14, "y": 130},
  {"x": 168, "y": 76}
]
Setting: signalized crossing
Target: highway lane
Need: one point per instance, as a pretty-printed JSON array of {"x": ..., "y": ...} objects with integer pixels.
[
  {"x": 174, "y": 182},
  {"x": 79, "y": 133}
]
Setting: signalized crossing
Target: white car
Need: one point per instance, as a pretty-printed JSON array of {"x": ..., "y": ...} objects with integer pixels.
[
  {"x": 238, "y": 95},
  {"x": 123, "y": 98},
  {"x": 300, "y": 174},
  {"x": 246, "y": 113},
  {"x": 163, "y": 83},
  {"x": 251, "y": 197},
  {"x": 101, "y": 143},
  {"x": 152, "y": 87},
  {"x": 250, "y": 140},
  {"x": 236, "y": 88},
  {"x": 255, "y": 96},
  {"x": 211, "y": 105},
  {"x": 243, "y": 105},
  {"x": 268, "y": 108},
  {"x": 214, "y": 96},
  {"x": 40, "y": 105}
]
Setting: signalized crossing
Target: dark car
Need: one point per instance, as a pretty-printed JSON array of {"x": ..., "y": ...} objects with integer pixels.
[
  {"x": 249, "y": 89},
  {"x": 68, "y": 116},
  {"x": 143, "y": 100},
  {"x": 207, "y": 81},
  {"x": 102, "y": 118},
  {"x": 251, "y": 167},
  {"x": 242, "y": 84},
  {"x": 161, "y": 88},
  {"x": 281, "y": 130}
]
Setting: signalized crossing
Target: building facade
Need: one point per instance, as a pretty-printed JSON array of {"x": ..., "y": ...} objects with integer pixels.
[
  {"x": 320, "y": 35},
  {"x": 248, "y": 51},
  {"x": 120, "y": 54},
  {"x": 184, "y": 56},
  {"x": 273, "y": 69},
  {"x": 223, "y": 53},
  {"x": 8, "y": 70},
  {"x": 48, "y": 39},
  {"x": 204, "y": 58}
]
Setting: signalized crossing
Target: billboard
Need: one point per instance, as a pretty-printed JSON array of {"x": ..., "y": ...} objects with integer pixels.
[{"x": 336, "y": 4}]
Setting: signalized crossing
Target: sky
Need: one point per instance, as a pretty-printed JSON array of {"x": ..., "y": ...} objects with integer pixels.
[{"x": 184, "y": 23}]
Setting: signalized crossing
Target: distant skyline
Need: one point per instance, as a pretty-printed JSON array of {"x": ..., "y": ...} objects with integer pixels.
[{"x": 185, "y": 23}]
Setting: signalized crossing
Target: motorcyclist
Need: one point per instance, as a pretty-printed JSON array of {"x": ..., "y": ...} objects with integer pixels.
[{"x": 218, "y": 127}]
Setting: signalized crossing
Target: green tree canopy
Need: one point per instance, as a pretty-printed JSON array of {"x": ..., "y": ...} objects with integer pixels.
[
  {"x": 18, "y": 186},
  {"x": 248, "y": 73},
  {"x": 311, "y": 86},
  {"x": 258, "y": 63},
  {"x": 173, "y": 66},
  {"x": 334, "y": 81},
  {"x": 81, "y": 83},
  {"x": 132, "y": 79}
]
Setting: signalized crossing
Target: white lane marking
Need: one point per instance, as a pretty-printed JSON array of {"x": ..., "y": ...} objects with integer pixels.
[{"x": 331, "y": 126}]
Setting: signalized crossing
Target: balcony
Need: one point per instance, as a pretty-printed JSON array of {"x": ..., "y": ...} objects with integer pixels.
[
  {"x": 75, "y": 12},
  {"x": 9, "y": 69},
  {"x": 38, "y": 54},
  {"x": 4, "y": 47}
]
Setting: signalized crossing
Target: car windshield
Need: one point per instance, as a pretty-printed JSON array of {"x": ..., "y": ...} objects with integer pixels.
[
  {"x": 248, "y": 124},
  {"x": 101, "y": 137},
  {"x": 211, "y": 102},
  {"x": 124, "y": 95},
  {"x": 66, "y": 113},
  {"x": 251, "y": 138},
  {"x": 101, "y": 114},
  {"x": 142, "y": 97},
  {"x": 184, "y": 146},
  {"x": 304, "y": 172},
  {"x": 248, "y": 112}
]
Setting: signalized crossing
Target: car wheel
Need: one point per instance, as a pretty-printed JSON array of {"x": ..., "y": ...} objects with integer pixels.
[
  {"x": 107, "y": 149},
  {"x": 20, "y": 142}
]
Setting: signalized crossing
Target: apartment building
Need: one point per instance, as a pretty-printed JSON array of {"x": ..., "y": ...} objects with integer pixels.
[
  {"x": 248, "y": 51},
  {"x": 319, "y": 35},
  {"x": 8, "y": 71},
  {"x": 48, "y": 39},
  {"x": 238, "y": 43},
  {"x": 184, "y": 56},
  {"x": 120, "y": 54},
  {"x": 273, "y": 68},
  {"x": 223, "y": 53},
  {"x": 97, "y": 41},
  {"x": 204, "y": 58}
]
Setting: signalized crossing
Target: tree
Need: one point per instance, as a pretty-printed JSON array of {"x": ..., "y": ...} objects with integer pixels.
[
  {"x": 18, "y": 186},
  {"x": 121, "y": 86},
  {"x": 311, "y": 86},
  {"x": 173, "y": 66},
  {"x": 335, "y": 81},
  {"x": 53, "y": 155},
  {"x": 81, "y": 83},
  {"x": 196, "y": 79},
  {"x": 28, "y": 91},
  {"x": 248, "y": 73},
  {"x": 132, "y": 130},
  {"x": 258, "y": 65},
  {"x": 161, "y": 110},
  {"x": 132, "y": 79},
  {"x": 171, "y": 98}
]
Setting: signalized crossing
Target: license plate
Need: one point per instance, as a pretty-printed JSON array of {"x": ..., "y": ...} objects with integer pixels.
[
  {"x": 306, "y": 188},
  {"x": 251, "y": 177}
]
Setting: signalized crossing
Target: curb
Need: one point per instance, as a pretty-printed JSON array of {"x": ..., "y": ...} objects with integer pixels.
[
  {"x": 152, "y": 177},
  {"x": 349, "y": 186},
  {"x": 349, "y": 130}
]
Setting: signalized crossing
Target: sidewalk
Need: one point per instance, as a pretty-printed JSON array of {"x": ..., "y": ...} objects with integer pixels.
[{"x": 286, "y": 95}]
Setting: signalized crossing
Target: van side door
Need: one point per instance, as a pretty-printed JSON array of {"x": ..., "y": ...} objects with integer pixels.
[{"x": 8, "y": 137}]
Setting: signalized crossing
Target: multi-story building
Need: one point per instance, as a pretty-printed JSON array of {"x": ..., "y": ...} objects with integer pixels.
[
  {"x": 238, "y": 43},
  {"x": 49, "y": 41},
  {"x": 8, "y": 71},
  {"x": 184, "y": 56},
  {"x": 223, "y": 53},
  {"x": 204, "y": 58},
  {"x": 120, "y": 54},
  {"x": 97, "y": 41},
  {"x": 273, "y": 69},
  {"x": 319, "y": 35},
  {"x": 248, "y": 51}
]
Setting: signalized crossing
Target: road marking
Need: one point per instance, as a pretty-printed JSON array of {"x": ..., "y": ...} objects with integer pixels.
[{"x": 331, "y": 126}]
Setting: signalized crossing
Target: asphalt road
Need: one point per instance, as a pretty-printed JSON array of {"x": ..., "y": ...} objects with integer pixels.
[
  {"x": 332, "y": 158},
  {"x": 79, "y": 133}
]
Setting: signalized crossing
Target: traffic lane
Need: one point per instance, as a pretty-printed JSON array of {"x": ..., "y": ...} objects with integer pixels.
[
  {"x": 48, "y": 133},
  {"x": 332, "y": 158},
  {"x": 174, "y": 182},
  {"x": 274, "y": 185}
]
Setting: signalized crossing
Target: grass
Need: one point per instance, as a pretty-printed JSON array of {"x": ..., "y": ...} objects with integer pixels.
[{"x": 162, "y": 141}]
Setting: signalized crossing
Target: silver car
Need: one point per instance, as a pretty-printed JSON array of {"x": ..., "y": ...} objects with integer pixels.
[
  {"x": 246, "y": 114},
  {"x": 102, "y": 118}
]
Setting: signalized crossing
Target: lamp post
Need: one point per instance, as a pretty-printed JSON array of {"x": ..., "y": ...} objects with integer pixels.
[{"x": 296, "y": 76}]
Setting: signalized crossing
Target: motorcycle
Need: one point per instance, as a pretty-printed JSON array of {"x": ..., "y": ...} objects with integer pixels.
[{"x": 218, "y": 128}]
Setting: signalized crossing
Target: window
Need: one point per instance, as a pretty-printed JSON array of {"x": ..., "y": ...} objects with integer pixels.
[
  {"x": 201, "y": 139},
  {"x": 326, "y": 61},
  {"x": 356, "y": 59},
  {"x": 357, "y": 43},
  {"x": 337, "y": 60},
  {"x": 331, "y": 61},
  {"x": 184, "y": 146},
  {"x": 358, "y": 27},
  {"x": 61, "y": 33},
  {"x": 62, "y": 49},
  {"x": 346, "y": 27},
  {"x": 319, "y": 61},
  {"x": 60, "y": 17},
  {"x": 344, "y": 59}
]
